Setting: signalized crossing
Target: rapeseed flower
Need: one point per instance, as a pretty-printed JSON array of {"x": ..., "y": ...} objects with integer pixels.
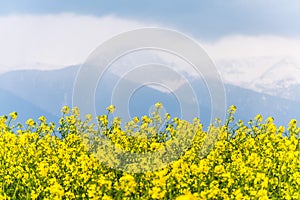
[{"x": 255, "y": 160}]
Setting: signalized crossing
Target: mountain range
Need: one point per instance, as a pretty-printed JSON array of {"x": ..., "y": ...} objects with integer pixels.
[{"x": 33, "y": 93}]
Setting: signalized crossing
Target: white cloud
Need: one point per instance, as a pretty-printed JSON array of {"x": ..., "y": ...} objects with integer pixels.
[
  {"x": 243, "y": 47},
  {"x": 53, "y": 41}
]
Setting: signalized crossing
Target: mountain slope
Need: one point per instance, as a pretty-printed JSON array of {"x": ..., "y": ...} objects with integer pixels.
[
  {"x": 49, "y": 90},
  {"x": 10, "y": 102}
]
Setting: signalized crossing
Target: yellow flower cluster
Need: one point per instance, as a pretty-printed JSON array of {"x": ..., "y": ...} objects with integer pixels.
[{"x": 72, "y": 159}]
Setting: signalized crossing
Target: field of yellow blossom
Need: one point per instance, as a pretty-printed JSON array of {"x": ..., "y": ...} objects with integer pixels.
[{"x": 253, "y": 160}]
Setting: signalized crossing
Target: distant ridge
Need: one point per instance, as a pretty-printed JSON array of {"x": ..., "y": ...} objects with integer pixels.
[{"x": 33, "y": 93}]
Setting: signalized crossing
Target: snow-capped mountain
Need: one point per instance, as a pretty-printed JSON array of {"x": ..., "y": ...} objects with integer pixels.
[
  {"x": 266, "y": 85},
  {"x": 277, "y": 76},
  {"x": 33, "y": 93}
]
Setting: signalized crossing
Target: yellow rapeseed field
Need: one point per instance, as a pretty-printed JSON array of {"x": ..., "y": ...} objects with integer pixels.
[{"x": 72, "y": 159}]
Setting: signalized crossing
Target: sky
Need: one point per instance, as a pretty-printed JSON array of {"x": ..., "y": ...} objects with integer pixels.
[
  {"x": 52, "y": 34},
  {"x": 209, "y": 19}
]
